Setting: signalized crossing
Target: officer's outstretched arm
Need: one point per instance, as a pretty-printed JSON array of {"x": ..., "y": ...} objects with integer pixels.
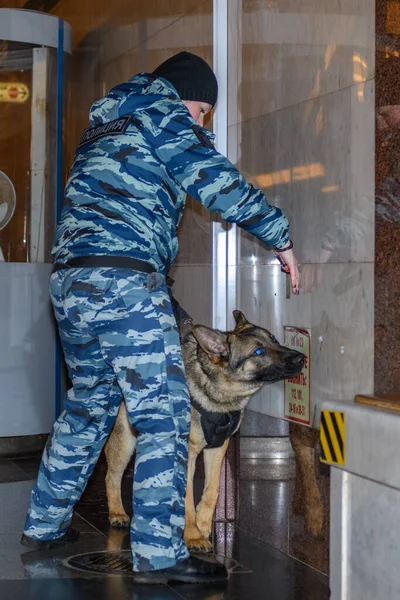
[{"x": 191, "y": 159}]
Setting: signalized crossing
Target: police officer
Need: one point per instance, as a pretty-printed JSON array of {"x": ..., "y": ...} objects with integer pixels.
[{"x": 145, "y": 149}]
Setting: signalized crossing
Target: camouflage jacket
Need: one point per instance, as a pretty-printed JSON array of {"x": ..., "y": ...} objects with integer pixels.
[{"x": 133, "y": 167}]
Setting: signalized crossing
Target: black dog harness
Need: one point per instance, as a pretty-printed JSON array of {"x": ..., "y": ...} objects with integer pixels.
[{"x": 217, "y": 427}]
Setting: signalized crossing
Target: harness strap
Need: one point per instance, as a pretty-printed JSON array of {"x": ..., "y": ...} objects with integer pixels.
[{"x": 217, "y": 427}]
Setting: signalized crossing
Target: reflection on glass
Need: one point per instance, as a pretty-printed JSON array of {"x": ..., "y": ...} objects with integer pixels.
[
  {"x": 28, "y": 80},
  {"x": 15, "y": 142},
  {"x": 298, "y": 173}
]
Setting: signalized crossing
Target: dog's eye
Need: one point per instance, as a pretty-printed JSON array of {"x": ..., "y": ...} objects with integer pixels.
[
  {"x": 259, "y": 351},
  {"x": 273, "y": 338}
]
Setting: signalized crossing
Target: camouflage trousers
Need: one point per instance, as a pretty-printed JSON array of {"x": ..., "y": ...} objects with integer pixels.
[{"x": 120, "y": 339}]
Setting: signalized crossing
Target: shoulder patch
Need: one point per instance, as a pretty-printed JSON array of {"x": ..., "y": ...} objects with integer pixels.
[
  {"x": 202, "y": 137},
  {"x": 116, "y": 127}
]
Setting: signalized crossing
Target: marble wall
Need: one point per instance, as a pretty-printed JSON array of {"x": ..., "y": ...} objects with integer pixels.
[{"x": 302, "y": 129}]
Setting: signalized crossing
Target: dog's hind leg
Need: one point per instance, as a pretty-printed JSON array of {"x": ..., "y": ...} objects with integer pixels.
[
  {"x": 213, "y": 458},
  {"x": 299, "y": 492},
  {"x": 119, "y": 450},
  {"x": 307, "y": 499},
  {"x": 194, "y": 540}
]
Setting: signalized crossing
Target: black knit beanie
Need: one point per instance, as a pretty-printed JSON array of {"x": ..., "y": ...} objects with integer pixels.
[{"x": 191, "y": 76}]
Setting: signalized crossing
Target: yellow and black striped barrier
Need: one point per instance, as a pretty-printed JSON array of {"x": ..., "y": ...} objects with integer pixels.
[{"x": 332, "y": 433}]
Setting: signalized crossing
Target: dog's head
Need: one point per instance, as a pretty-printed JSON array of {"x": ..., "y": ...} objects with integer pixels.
[{"x": 248, "y": 354}]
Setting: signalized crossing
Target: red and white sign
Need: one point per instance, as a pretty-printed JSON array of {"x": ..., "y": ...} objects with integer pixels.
[
  {"x": 297, "y": 389},
  {"x": 13, "y": 92}
]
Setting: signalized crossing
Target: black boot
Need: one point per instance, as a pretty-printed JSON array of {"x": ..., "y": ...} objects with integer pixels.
[
  {"x": 191, "y": 570},
  {"x": 70, "y": 536}
]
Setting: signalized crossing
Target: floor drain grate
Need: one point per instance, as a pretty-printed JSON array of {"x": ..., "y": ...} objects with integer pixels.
[
  {"x": 120, "y": 563},
  {"x": 103, "y": 562}
]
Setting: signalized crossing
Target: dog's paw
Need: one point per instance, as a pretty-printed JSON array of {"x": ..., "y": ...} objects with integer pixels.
[
  {"x": 195, "y": 541},
  {"x": 199, "y": 545},
  {"x": 119, "y": 520}
]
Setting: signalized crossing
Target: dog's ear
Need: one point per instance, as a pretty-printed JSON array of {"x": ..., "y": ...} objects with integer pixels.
[
  {"x": 240, "y": 319},
  {"x": 214, "y": 343}
]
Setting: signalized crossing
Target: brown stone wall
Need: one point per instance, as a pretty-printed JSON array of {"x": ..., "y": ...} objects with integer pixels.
[{"x": 387, "y": 243}]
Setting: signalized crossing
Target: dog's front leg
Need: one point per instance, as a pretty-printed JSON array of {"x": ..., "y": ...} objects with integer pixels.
[
  {"x": 119, "y": 450},
  {"x": 192, "y": 536},
  {"x": 213, "y": 458}
]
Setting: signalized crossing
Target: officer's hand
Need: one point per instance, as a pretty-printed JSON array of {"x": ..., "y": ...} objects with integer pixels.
[{"x": 289, "y": 265}]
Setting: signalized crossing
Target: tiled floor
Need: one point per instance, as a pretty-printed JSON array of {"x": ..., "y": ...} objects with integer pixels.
[{"x": 251, "y": 549}]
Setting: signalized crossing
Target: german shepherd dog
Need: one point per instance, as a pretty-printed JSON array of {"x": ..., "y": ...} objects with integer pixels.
[{"x": 223, "y": 370}]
